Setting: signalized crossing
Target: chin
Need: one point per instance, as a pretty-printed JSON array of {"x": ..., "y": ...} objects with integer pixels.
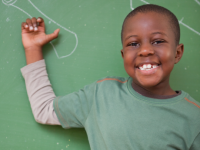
[{"x": 148, "y": 83}]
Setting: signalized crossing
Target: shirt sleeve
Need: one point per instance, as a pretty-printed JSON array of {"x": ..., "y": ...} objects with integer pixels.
[
  {"x": 196, "y": 143},
  {"x": 40, "y": 93},
  {"x": 73, "y": 109}
]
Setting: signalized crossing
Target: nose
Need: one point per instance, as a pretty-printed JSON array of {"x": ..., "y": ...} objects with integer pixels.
[{"x": 146, "y": 50}]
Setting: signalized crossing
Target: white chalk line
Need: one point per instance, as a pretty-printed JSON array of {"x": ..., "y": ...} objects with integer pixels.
[
  {"x": 11, "y": 4},
  {"x": 131, "y": 3},
  {"x": 179, "y": 21},
  {"x": 144, "y": 1},
  {"x": 50, "y": 18},
  {"x": 188, "y": 27},
  {"x": 149, "y": 3},
  {"x": 8, "y": 2},
  {"x": 197, "y": 2},
  {"x": 61, "y": 27}
]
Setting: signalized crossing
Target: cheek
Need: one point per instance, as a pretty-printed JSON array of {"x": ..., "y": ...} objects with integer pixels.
[
  {"x": 167, "y": 54},
  {"x": 167, "y": 61},
  {"x": 128, "y": 59},
  {"x": 129, "y": 64},
  {"x": 129, "y": 55}
]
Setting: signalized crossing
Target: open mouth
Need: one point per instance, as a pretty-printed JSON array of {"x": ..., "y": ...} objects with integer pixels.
[{"x": 147, "y": 66}]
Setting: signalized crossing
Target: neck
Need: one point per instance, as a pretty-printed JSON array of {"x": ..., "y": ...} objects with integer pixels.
[{"x": 161, "y": 89}]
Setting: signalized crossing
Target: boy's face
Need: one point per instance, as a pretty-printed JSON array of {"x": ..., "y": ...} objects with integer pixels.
[{"x": 149, "y": 49}]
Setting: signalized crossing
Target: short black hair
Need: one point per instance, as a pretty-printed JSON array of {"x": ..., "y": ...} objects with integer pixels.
[{"x": 158, "y": 9}]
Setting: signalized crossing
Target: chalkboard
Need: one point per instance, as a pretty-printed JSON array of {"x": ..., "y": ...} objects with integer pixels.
[{"x": 88, "y": 48}]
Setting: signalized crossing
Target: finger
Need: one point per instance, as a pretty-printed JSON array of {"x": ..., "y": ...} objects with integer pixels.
[
  {"x": 39, "y": 19},
  {"x": 41, "y": 22},
  {"x": 53, "y": 35},
  {"x": 56, "y": 32},
  {"x": 24, "y": 25},
  {"x": 29, "y": 22},
  {"x": 34, "y": 22}
]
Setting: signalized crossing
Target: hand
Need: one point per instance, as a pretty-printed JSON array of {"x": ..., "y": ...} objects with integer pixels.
[
  {"x": 34, "y": 37},
  {"x": 33, "y": 34}
]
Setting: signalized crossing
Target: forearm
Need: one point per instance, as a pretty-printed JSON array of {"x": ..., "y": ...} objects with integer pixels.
[
  {"x": 33, "y": 54},
  {"x": 40, "y": 92}
]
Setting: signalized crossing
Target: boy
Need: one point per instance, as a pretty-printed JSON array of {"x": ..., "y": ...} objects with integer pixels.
[{"x": 138, "y": 112}]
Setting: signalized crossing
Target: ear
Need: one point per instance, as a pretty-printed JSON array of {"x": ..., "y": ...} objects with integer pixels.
[
  {"x": 179, "y": 53},
  {"x": 122, "y": 53}
]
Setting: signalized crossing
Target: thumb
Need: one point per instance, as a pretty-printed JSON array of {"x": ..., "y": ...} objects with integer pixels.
[{"x": 53, "y": 35}]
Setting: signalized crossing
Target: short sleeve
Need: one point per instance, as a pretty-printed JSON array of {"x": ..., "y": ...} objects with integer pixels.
[
  {"x": 196, "y": 143},
  {"x": 73, "y": 109}
]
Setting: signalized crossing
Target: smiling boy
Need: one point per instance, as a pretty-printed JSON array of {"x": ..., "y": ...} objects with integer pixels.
[
  {"x": 141, "y": 112},
  {"x": 149, "y": 40}
]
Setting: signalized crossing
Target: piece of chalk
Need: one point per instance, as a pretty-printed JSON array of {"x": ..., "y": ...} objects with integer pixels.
[
  {"x": 35, "y": 28},
  {"x": 26, "y": 26}
]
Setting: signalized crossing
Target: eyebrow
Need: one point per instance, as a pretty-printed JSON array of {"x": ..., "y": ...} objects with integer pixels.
[
  {"x": 131, "y": 36},
  {"x": 159, "y": 33}
]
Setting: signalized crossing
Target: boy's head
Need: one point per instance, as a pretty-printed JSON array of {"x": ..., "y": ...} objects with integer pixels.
[
  {"x": 171, "y": 18},
  {"x": 150, "y": 38}
]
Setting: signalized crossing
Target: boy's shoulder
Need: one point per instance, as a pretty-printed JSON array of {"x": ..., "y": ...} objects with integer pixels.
[
  {"x": 191, "y": 100},
  {"x": 191, "y": 104}
]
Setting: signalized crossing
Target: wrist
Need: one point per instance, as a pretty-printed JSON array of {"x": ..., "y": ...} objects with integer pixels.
[
  {"x": 33, "y": 54},
  {"x": 32, "y": 48}
]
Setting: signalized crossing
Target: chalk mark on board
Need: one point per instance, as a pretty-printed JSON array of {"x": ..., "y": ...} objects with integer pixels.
[
  {"x": 144, "y": 1},
  {"x": 11, "y": 2},
  {"x": 197, "y": 2},
  {"x": 131, "y": 3},
  {"x": 181, "y": 22},
  {"x": 7, "y": 19},
  {"x": 61, "y": 27}
]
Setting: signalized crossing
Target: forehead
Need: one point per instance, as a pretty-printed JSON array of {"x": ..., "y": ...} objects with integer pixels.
[{"x": 146, "y": 23}]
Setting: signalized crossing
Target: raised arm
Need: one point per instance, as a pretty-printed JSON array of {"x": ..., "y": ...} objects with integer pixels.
[{"x": 38, "y": 87}]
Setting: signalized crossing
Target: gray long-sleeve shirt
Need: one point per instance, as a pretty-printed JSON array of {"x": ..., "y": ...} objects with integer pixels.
[{"x": 40, "y": 93}]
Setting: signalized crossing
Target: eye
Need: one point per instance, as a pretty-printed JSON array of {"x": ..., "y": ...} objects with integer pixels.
[
  {"x": 134, "y": 44},
  {"x": 158, "y": 42}
]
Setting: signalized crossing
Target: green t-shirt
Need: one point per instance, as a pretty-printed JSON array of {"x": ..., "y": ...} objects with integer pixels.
[{"x": 116, "y": 117}]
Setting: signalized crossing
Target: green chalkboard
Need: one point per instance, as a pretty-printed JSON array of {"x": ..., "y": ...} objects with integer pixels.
[{"x": 88, "y": 48}]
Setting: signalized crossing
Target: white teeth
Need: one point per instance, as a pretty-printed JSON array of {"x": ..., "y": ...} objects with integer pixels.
[
  {"x": 147, "y": 67},
  {"x": 142, "y": 68},
  {"x": 155, "y": 66}
]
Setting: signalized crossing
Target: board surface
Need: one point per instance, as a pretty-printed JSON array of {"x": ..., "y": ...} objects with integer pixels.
[{"x": 88, "y": 48}]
